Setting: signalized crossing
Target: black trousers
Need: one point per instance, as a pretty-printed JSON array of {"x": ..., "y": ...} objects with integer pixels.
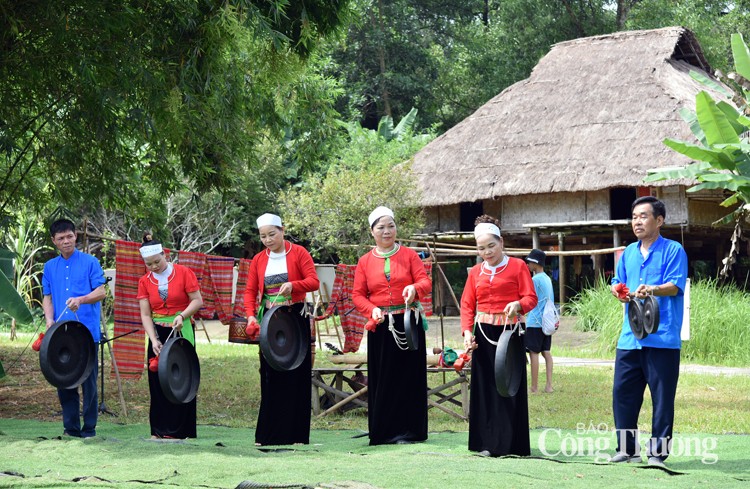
[
  {"x": 659, "y": 369},
  {"x": 497, "y": 424}
]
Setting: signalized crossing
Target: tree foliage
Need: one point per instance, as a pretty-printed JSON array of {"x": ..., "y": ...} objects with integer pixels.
[
  {"x": 101, "y": 98},
  {"x": 722, "y": 155},
  {"x": 330, "y": 210},
  {"x": 448, "y": 57},
  {"x": 712, "y": 21}
]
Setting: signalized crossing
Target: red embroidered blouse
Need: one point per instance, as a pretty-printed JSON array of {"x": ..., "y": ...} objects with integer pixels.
[
  {"x": 371, "y": 289},
  {"x": 183, "y": 281},
  {"x": 300, "y": 270},
  {"x": 512, "y": 284}
]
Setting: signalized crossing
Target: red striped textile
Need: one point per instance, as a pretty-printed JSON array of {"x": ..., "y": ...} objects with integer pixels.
[
  {"x": 239, "y": 295},
  {"x": 216, "y": 288},
  {"x": 352, "y": 321},
  {"x": 197, "y": 262},
  {"x": 129, "y": 350},
  {"x": 427, "y": 301}
]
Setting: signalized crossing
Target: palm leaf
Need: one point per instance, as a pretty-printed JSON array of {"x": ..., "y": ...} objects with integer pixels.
[
  {"x": 710, "y": 83},
  {"x": 691, "y": 171},
  {"x": 7, "y": 258},
  {"x": 732, "y": 200},
  {"x": 713, "y": 121},
  {"x": 732, "y": 115},
  {"x": 385, "y": 127},
  {"x": 699, "y": 153},
  {"x": 695, "y": 127},
  {"x": 741, "y": 56},
  {"x": 406, "y": 123},
  {"x": 12, "y": 303}
]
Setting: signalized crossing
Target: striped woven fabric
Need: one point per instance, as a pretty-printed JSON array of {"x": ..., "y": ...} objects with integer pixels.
[
  {"x": 352, "y": 321},
  {"x": 239, "y": 295},
  {"x": 216, "y": 288},
  {"x": 427, "y": 301},
  {"x": 129, "y": 350},
  {"x": 197, "y": 263}
]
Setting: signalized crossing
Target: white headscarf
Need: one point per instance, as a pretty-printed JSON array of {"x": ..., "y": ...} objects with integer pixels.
[
  {"x": 486, "y": 228},
  {"x": 268, "y": 220},
  {"x": 378, "y": 213},
  {"x": 151, "y": 250}
]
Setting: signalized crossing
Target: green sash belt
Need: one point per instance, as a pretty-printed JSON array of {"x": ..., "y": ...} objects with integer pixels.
[
  {"x": 187, "y": 326},
  {"x": 273, "y": 299}
]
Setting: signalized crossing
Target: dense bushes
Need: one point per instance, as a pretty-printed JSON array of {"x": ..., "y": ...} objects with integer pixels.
[{"x": 719, "y": 322}]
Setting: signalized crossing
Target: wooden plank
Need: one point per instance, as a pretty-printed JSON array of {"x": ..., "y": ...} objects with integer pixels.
[
  {"x": 445, "y": 409},
  {"x": 337, "y": 393},
  {"x": 346, "y": 400}
]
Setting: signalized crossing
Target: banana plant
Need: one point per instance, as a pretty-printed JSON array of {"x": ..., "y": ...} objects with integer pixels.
[
  {"x": 722, "y": 153},
  {"x": 11, "y": 301}
]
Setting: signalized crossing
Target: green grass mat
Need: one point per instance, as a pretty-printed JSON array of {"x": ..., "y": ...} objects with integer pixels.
[{"x": 32, "y": 454}]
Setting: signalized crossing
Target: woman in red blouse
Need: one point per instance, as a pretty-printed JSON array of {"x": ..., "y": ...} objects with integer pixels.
[
  {"x": 387, "y": 283},
  {"x": 168, "y": 295},
  {"x": 496, "y": 292},
  {"x": 283, "y": 273}
]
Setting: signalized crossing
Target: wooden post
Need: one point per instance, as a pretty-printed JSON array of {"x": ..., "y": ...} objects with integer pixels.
[
  {"x": 535, "y": 238},
  {"x": 563, "y": 270},
  {"x": 123, "y": 406},
  {"x": 598, "y": 266},
  {"x": 616, "y": 237}
]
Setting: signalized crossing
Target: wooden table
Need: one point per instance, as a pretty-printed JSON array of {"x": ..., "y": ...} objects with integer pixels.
[{"x": 342, "y": 388}]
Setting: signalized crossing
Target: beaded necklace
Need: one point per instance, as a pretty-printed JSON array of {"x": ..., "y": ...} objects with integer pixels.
[
  {"x": 286, "y": 250},
  {"x": 487, "y": 269},
  {"x": 387, "y": 257}
]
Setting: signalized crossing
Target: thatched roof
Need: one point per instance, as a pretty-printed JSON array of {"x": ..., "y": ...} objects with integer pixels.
[{"x": 591, "y": 116}]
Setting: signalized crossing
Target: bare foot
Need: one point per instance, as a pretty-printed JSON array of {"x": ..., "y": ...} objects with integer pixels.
[
  {"x": 533, "y": 390},
  {"x": 549, "y": 389}
]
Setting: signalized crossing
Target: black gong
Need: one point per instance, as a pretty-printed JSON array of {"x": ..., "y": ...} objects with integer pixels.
[
  {"x": 282, "y": 340},
  {"x": 67, "y": 354},
  {"x": 410, "y": 330},
  {"x": 179, "y": 371},
  {"x": 651, "y": 315},
  {"x": 509, "y": 362},
  {"x": 635, "y": 317}
]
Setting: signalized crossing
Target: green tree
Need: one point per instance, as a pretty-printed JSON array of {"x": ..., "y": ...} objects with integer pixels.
[
  {"x": 722, "y": 152},
  {"x": 101, "y": 98},
  {"x": 712, "y": 21},
  {"x": 330, "y": 210},
  {"x": 448, "y": 57}
]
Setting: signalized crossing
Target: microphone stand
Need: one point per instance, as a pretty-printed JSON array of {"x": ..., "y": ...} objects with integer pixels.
[{"x": 102, "y": 404}]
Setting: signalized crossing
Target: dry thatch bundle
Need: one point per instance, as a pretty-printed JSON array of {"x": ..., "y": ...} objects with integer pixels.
[{"x": 591, "y": 116}]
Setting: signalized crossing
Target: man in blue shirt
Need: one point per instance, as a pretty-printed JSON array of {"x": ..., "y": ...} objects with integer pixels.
[
  {"x": 535, "y": 340},
  {"x": 652, "y": 266},
  {"x": 73, "y": 285}
]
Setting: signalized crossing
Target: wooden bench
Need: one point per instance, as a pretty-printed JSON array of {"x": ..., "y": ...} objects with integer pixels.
[{"x": 342, "y": 388}]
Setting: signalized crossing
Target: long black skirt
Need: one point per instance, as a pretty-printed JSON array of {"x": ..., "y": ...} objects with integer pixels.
[
  {"x": 497, "y": 424},
  {"x": 397, "y": 386},
  {"x": 285, "y": 401},
  {"x": 168, "y": 420}
]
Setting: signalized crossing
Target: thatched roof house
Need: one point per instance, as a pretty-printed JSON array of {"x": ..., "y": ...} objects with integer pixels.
[{"x": 574, "y": 141}]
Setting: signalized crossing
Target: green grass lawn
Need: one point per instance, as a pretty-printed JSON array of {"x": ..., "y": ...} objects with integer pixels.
[
  {"x": 122, "y": 456},
  {"x": 712, "y": 417}
]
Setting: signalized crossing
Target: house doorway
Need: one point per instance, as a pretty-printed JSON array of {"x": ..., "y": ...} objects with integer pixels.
[
  {"x": 620, "y": 200},
  {"x": 469, "y": 212}
]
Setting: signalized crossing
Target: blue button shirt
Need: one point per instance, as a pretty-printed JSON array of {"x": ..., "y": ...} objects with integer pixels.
[
  {"x": 666, "y": 262},
  {"x": 544, "y": 292},
  {"x": 77, "y": 276}
]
